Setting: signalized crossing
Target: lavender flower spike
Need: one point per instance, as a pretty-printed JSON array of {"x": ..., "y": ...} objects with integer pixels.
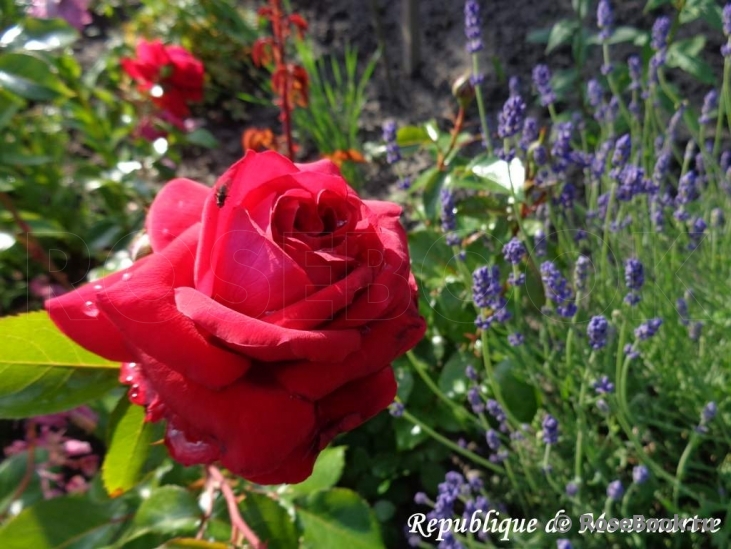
[{"x": 472, "y": 26}]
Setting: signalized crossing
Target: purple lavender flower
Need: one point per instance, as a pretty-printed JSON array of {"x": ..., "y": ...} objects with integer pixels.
[
  {"x": 516, "y": 340},
  {"x": 682, "y": 306},
  {"x": 472, "y": 26},
  {"x": 493, "y": 439},
  {"x": 694, "y": 330},
  {"x": 475, "y": 400},
  {"x": 581, "y": 271},
  {"x": 470, "y": 372},
  {"x": 530, "y": 132},
  {"x": 598, "y": 164},
  {"x": 634, "y": 278},
  {"x": 74, "y": 12},
  {"x": 640, "y": 474},
  {"x": 604, "y": 19},
  {"x": 514, "y": 86},
  {"x": 497, "y": 412},
  {"x": 542, "y": 82},
  {"x": 539, "y": 244},
  {"x": 621, "y": 151},
  {"x": 727, "y": 19},
  {"x": 603, "y": 386},
  {"x": 594, "y": 93},
  {"x": 393, "y": 151},
  {"x": 449, "y": 218},
  {"x": 648, "y": 329},
  {"x": 420, "y": 498},
  {"x": 561, "y": 148},
  {"x": 572, "y": 489},
  {"x": 615, "y": 490},
  {"x": 514, "y": 251},
  {"x": 396, "y": 409},
  {"x": 709, "y": 412},
  {"x": 550, "y": 429},
  {"x": 696, "y": 232},
  {"x": 512, "y": 117},
  {"x": 518, "y": 280},
  {"x": 597, "y": 330},
  {"x": 486, "y": 285},
  {"x": 557, "y": 289},
  {"x": 630, "y": 351},
  {"x": 710, "y": 104},
  {"x": 540, "y": 155},
  {"x": 563, "y": 543},
  {"x": 404, "y": 184},
  {"x": 687, "y": 189},
  {"x": 660, "y": 32},
  {"x": 634, "y": 63}
]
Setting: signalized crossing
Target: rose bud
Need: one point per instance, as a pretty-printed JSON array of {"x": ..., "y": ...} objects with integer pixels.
[{"x": 261, "y": 326}]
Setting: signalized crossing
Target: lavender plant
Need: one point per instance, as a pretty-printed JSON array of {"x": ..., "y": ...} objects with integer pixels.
[{"x": 584, "y": 266}]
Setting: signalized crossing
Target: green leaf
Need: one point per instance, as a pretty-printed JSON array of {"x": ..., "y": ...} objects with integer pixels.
[
  {"x": 44, "y": 372},
  {"x": 168, "y": 510},
  {"x": 129, "y": 446},
  {"x": 500, "y": 176},
  {"x": 270, "y": 521},
  {"x": 326, "y": 474},
  {"x": 709, "y": 10},
  {"x": 9, "y": 105},
  {"x": 61, "y": 523},
  {"x": 202, "y": 138},
  {"x": 336, "y": 519},
  {"x": 30, "y": 77},
  {"x": 452, "y": 380},
  {"x": 520, "y": 397},
  {"x": 561, "y": 33},
  {"x": 34, "y": 34},
  {"x": 685, "y": 55},
  {"x": 407, "y": 136},
  {"x": 33, "y": 341},
  {"x": 538, "y": 36}
]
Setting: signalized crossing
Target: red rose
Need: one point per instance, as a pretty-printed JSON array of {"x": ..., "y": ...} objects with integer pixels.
[
  {"x": 178, "y": 74},
  {"x": 265, "y": 320}
]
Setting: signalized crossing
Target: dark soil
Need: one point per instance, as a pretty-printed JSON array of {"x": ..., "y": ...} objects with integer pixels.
[{"x": 426, "y": 94}]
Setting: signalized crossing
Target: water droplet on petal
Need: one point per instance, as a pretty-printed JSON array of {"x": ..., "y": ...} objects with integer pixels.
[
  {"x": 126, "y": 276},
  {"x": 90, "y": 309},
  {"x": 98, "y": 287}
]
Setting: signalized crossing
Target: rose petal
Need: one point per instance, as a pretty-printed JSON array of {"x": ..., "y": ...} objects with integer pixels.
[
  {"x": 354, "y": 404},
  {"x": 261, "y": 340},
  {"x": 177, "y": 206},
  {"x": 323, "y": 305},
  {"x": 381, "y": 343},
  {"x": 255, "y": 423},
  {"x": 143, "y": 308},
  {"x": 324, "y": 165},
  {"x": 77, "y": 315},
  {"x": 248, "y": 272}
]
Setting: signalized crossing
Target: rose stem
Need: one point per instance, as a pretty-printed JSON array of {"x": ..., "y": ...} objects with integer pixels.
[
  {"x": 238, "y": 523},
  {"x": 34, "y": 248}
]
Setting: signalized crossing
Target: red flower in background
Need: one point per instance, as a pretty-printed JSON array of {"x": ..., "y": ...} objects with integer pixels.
[{"x": 171, "y": 75}]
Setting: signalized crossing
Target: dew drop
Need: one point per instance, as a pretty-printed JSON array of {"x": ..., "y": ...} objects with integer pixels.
[
  {"x": 129, "y": 379},
  {"x": 90, "y": 309},
  {"x": 98, "y": 287},
  {"x": 126, "y": 276}
]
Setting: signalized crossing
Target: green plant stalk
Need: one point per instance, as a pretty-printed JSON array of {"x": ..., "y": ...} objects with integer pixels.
[
  {"x": 429, "y": 382},
  {"x": 615, "y": 90},
  {"x": 481, "y": 107},
  {"x": 518, "y": 489},
  {"x": 581, "y": 424},
  {"x": 607, "y": 223},
  {"x": 451, "y": 445},
  {"x": 683, "y": 464}
]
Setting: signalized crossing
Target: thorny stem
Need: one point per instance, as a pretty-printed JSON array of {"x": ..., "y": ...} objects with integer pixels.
[
  {"x": 238, "y": 524},
  {"x": 458, "y": 123},
  {"x": 36, "y": 251},
  {"x": 30, "y": 467}
]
